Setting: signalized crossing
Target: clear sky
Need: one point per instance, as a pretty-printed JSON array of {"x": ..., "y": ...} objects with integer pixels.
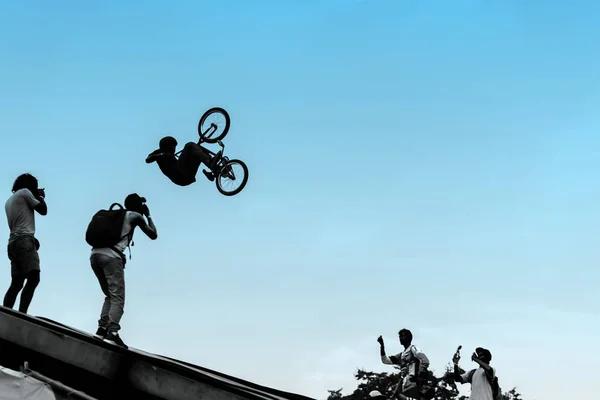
[{"x": 423, "y": 164}]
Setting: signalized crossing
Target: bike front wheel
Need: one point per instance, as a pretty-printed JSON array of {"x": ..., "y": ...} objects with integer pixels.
[
  {"x": 212, "y": 122},
  {"x": 233, "y": 172}
]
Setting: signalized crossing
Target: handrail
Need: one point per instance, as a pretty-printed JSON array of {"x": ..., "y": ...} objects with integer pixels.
[{"x": 55, "y": 384}]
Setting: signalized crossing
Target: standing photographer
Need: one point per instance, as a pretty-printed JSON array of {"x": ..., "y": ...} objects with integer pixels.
[
  {"x": 22, "y": 244},
  {"x": 108, "y": 263}
]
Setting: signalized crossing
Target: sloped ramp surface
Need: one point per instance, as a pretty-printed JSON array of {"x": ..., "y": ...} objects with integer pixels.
[{"x": 105, "y": 371}]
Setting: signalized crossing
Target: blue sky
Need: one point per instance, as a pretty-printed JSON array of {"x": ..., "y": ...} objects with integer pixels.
[{"x": 420, "y": 164}]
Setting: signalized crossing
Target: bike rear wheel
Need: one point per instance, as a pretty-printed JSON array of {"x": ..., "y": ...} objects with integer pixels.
[
  {"x": 234, "y": 171},
  {"x": 208, "y": 129}
]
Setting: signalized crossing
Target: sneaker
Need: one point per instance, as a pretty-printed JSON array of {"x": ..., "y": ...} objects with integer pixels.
[
  {"x": 215, "y": 160},
  {"x": 114, "y": 338},
  {"x": 100, "y": 333},
  {"x": 209, "y": 175}
]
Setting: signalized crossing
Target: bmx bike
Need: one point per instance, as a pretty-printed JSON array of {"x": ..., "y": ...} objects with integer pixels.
[{"x": 227, "y": 170}]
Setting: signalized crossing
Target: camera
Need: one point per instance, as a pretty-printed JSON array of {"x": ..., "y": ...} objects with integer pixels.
[{"x": 144, "y": 208}]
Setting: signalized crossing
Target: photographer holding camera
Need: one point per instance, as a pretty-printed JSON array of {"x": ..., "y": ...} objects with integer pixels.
[
  {"x": 22, "y": 244},
  {"x": 110, "y": 232}
]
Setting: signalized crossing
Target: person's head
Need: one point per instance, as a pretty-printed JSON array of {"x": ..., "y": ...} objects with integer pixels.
[
  {"x": 484, "y": 354},
  {"x": 405, "y": 337},
  {"x": 168, "y": 144},
  {"x": 134, "y": 202},
  {"x": 25, "y": 181}
]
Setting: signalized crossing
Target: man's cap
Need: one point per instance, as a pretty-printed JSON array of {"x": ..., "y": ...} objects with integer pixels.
[
  {"x": 135, "y": 197},
  {"x": 134, "y": 201}
]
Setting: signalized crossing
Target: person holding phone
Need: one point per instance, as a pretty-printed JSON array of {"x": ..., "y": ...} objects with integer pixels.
[{"x": 483, "y": 380}]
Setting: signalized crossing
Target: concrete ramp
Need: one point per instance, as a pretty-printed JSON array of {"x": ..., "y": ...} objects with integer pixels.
[{"x": 104, "y": 371}]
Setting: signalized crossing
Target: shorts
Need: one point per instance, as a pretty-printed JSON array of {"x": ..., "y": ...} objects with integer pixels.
[{"x": 23, "y": 256}]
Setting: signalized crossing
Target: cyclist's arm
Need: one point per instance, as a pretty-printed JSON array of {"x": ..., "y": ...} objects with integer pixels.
[
  {"x": 153, "y": 156},
  {"x": 148, "y": 228}
]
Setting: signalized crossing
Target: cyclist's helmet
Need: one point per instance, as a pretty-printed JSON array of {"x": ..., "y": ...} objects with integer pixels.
[{"x": 167, "y": 143}]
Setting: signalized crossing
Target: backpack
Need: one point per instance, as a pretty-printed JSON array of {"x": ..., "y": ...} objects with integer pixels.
[
  {"x": 416, "y": 386},
  {"x": 104, "y": 230},
  {"x": 496, "y": 391}
]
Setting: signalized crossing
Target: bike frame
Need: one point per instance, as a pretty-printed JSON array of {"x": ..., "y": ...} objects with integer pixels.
[{"x": 204, "y": 135}]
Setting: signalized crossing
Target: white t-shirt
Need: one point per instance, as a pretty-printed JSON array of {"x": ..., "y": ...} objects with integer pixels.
[
  {"x": 481, "y": 389},
  {"x": 20, "y": 214},
  {"x": 122, "y": 245}
]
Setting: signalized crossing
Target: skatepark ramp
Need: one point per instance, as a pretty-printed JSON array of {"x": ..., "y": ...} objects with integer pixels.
[{"x": 106, "y": 372}]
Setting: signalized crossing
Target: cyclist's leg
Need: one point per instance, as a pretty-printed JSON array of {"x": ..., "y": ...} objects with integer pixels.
[
  {"x": 214, "y": 159},
  {"x": 190, "y": 159}
]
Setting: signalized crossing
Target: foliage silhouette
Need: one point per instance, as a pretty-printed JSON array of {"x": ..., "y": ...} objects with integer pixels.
[{"x": 385, "y": 383}]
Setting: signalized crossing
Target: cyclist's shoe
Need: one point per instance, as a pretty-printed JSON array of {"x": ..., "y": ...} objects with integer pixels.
[
  {"x": 215, "y": 160},
  {"x": 209, "y": 175}
]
